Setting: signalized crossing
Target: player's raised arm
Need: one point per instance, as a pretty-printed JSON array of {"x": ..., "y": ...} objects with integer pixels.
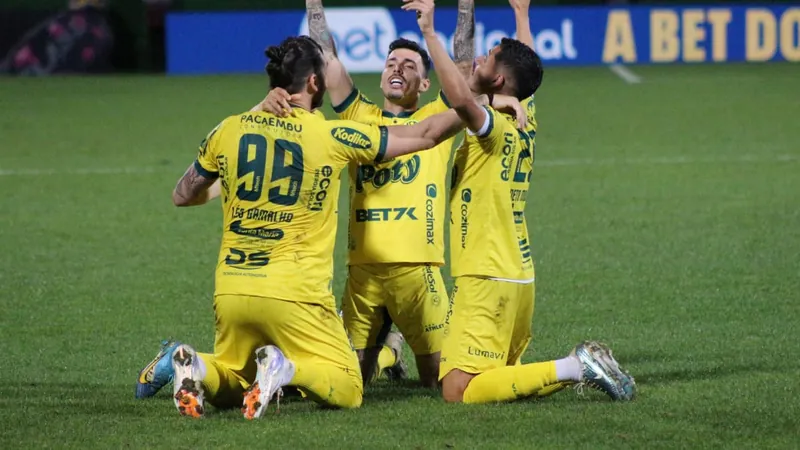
[
  {"x": 521, "y": 10},
  {"x": 464, "y": 37},
  {"x": 454, "y": 85},
  {"x": 337, "y": 80}
]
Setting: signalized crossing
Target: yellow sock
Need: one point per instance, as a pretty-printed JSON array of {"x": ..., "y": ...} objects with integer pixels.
[
  {"x": 551, "y": 389},
  {"x": 510, "y": 383},
  {"x": 328, "y": 384},
  {"x": 386, "y": 358}
]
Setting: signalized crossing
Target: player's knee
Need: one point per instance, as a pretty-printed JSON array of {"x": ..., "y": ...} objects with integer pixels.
[
  {"x": 355, "y": 397},
  {"x": 352, "y": 402},
  {"x": 454, "y": 384}
]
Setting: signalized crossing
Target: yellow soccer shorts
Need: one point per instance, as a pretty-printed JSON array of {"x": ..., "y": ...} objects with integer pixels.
[
  {"x": 488, "y": 325},
  {"x": 304, "y": 332},
  {"x": 412, "y": 296}
]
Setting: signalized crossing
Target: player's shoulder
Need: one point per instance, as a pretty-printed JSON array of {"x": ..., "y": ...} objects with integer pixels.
[
  {"x": 434, "y": 106},
  {"x": 356, "y": 96}
]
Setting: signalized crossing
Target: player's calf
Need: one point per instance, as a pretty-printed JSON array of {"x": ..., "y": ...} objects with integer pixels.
[{"x": 428, "y": 368}]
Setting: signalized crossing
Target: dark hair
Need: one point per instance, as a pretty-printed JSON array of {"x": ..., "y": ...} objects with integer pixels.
[
  {"x": 524, "y": 65},
  {"x": 291, "y": 63},
  {"x": 414, "y": 47}
]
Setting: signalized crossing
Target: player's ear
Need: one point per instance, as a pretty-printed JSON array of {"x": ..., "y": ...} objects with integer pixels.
[
  {"x": 312, "y": 85},
  {"x": 424, "y": 85}
]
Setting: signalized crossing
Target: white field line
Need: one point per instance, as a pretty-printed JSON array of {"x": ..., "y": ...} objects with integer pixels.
[
  {"x": 675, "y": 160},
  {"x": 626, "y": 74}
]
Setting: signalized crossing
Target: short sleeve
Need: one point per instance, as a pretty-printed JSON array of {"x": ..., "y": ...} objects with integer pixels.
[
  {"x": 357, "y": 107},
  {"x": 439, "y": 105},
  {"x": 530, "y": 111},
  {"x": 491, "y": 135},
  {"x": 354, "y": 141},
  {"x": 206, "y": 163}
]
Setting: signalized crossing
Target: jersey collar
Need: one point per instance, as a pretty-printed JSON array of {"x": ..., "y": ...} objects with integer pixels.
[{"x": 400, "y": 115}]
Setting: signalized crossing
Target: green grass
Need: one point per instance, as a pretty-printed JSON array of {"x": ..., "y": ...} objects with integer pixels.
[{"x": 664, "y": 216}]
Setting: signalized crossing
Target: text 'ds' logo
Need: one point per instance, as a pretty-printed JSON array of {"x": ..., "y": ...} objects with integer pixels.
[{"x": 351, "y": 138}]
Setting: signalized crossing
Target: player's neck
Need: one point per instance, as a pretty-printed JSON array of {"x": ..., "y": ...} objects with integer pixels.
[
  {"x": 396, "y": 109},
  {"x": 302, "y": 102}
]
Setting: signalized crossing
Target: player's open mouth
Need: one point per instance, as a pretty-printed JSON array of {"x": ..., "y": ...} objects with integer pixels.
[{"x": 396, "y": 82}]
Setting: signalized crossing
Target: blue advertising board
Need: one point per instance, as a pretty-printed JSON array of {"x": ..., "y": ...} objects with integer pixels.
[{"x": 234, "y": 42}]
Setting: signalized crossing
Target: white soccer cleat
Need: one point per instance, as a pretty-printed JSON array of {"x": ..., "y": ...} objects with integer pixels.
[
  {"x": 274, "y": 372},
  {"x": 187, "y": 391}
]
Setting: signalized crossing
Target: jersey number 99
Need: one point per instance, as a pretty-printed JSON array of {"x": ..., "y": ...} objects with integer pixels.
[{"x": 257, "y": 165}]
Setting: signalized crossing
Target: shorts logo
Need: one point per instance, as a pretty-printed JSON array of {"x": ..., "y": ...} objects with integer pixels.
[
  {"x": 486, "y": 353},
  {"x": 351, "y": 138},
  {"x": 431, "y": 328},
  {"x": 466, "y": 195},
  {"x": 430, "y": 279}
]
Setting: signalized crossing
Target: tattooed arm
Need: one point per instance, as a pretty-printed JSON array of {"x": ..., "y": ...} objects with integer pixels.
[
  {"x": 337, "y": 80},
  {"x": 521, "y": 8},
  {"x": 464, "y": 38},
  {"x": 194, "y": 188}
]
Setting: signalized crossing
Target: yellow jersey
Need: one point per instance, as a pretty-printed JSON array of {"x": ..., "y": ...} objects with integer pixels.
[
  {"x": 280, "y": 183},
  {"x": 489, "y": 187},
  {"x": 397, "y": 207}
]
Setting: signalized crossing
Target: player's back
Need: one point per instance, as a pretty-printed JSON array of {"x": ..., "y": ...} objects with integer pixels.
[
  {"x": 280, "y": 182},
  {"x": 490, "y": 180}
]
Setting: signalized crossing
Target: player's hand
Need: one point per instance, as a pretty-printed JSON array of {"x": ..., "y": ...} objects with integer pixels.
[
  {"x": 424, "y": 9},
  {"x": 520, "y": 5},
  {"x": 511, "y": 104},
  {"x": 276, "y": 102}
]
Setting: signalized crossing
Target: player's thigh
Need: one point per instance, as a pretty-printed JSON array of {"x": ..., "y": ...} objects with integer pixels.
[
  {"x": 363, "y": 312},
  {"x": 238, "y": 333},
  {"x": 418, "y": 306},
  {"x": 478, "y": 326},
  {"x": 312, "y": 333},
  {"x": 521, "y": 335}
]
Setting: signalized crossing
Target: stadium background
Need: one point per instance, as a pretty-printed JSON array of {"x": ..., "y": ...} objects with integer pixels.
[{"x": 663, "y": 214}]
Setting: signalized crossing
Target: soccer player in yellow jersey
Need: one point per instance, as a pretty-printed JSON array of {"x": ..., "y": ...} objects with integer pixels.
[
  {"x": 397, "y": 211},
  {"x": 276, "y": 322},
  {"x": 491, "y": 307}
]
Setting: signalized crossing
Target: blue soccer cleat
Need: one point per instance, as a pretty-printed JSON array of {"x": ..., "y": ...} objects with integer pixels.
[
  {"x": 602, "y": 372},
  {"x": 158, "y": 373}
]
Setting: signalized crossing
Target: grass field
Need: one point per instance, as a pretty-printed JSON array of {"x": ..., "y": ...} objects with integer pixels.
[{"x": 665, "y": 218}]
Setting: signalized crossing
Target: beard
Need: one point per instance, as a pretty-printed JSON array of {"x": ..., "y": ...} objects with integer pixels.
[{"x": 318, "y": 99}]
